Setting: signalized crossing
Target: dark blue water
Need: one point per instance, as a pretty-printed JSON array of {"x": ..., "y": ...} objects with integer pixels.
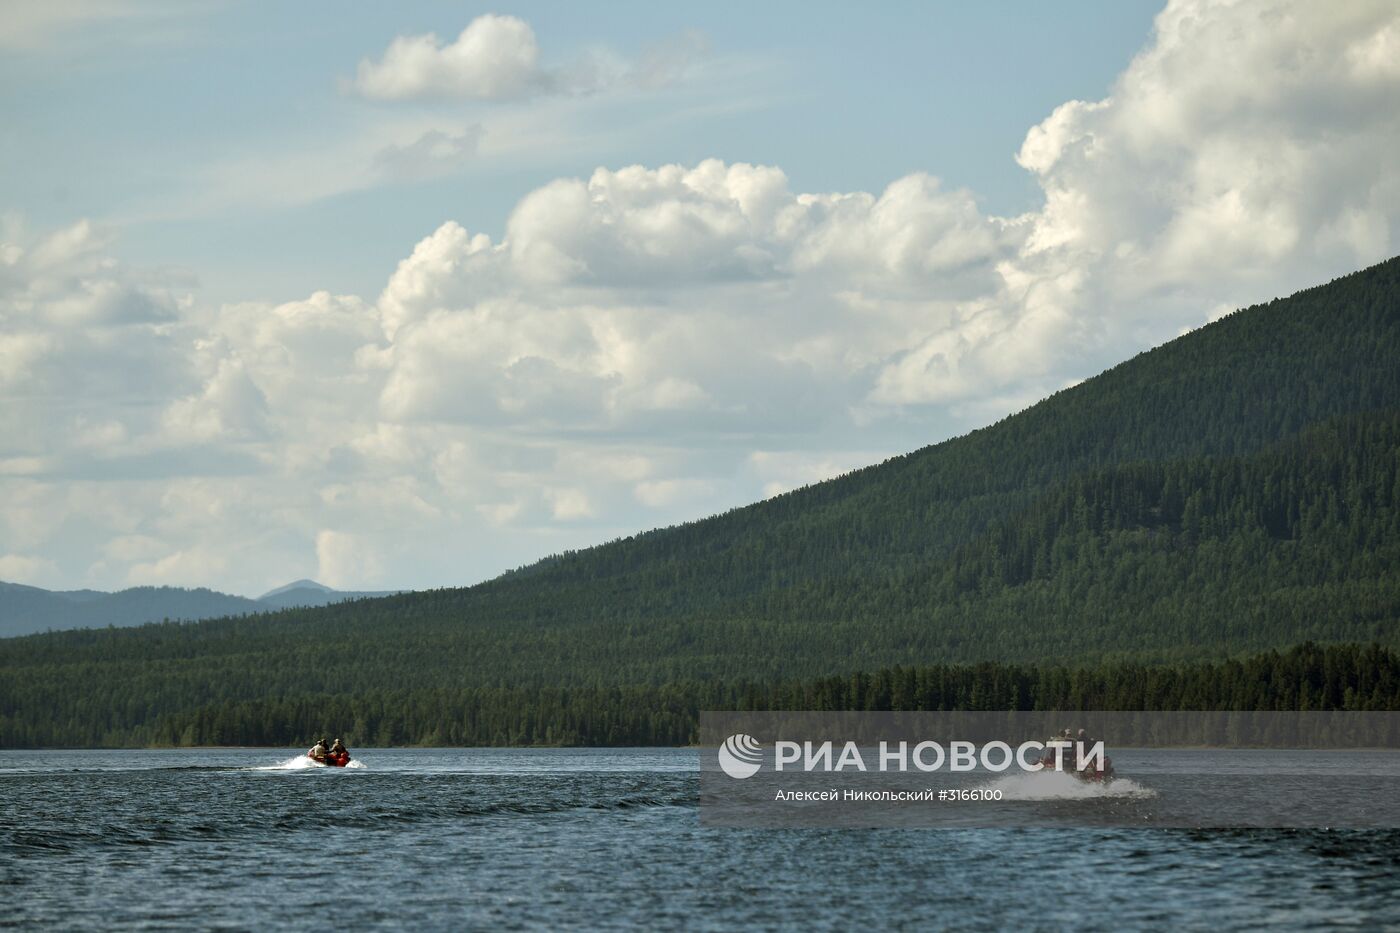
[{"x": 515, "y": 839}]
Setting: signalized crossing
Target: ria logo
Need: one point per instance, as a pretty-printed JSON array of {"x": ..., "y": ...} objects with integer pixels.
[{"x": 741, "y": 756}]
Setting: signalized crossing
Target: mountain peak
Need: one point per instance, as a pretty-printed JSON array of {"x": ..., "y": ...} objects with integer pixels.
[{"x": 298, "y": 585}]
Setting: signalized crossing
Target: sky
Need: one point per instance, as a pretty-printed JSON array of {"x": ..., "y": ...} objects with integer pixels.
[{"x": 405, "y": 295}]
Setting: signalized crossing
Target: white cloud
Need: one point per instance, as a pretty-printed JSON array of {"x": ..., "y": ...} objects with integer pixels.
[
  {"x": 1242, "y": 154},
  {"x": 668, "y": 492},
  {"x": 133, "y": 548},
  {"x": 494, "y": 57},
  {"x": 198, "y": 565},
  {"x": 84, "y": 341},
  {"x": 31, "y": 571},
  {"x": 498, "y": 58},
  {"x": 68, "y": 279},
  {"x": 18, "y": 355},
  {"x": 229, "y": 407},
  {"x": 569, "y": 504},
  {"x": 346, "y": 560},
  {"x": 713, "y": 290}
]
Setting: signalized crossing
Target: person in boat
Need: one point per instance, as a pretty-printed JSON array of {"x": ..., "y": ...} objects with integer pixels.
[
  {"x": 1082, "y": 744},
  {"x": 1057, "y": 738},
  {"x": 339, "y": 754},
  {"x": 1105, "y": 769},
  {"x": 319, "y": 751}
]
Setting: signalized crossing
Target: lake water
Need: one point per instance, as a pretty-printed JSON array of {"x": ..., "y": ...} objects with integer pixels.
[{"x": 530, "y": 838}]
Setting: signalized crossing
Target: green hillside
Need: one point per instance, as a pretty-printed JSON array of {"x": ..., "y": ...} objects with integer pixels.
[{"x": 1233, "y": 491}]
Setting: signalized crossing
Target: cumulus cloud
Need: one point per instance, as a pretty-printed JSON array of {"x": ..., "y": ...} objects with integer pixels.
[
  {"x": 84, "y": 341},
  {"x": 713, "y": 290},
  {"x": 651, "y": 343},
  {"x": 1240, "y": 155},
  {"x": 346, "y": 560},
  {"x": 494, "y": 57},
  {"x": 68, "y": 279},
  {"x": 1258, "y": 125},
  {"x": 197, "y": 564},
  {"x": 228, "y": 407},
  {"x": 498, "y": 58}
]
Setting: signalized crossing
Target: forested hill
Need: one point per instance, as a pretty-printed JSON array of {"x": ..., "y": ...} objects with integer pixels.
[{"x": 1233, "y": 491}]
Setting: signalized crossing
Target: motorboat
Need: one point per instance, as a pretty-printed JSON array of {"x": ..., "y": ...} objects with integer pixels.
[
  {"x": 1090, "y": 774},
  {"x": 331, "y": 759}
]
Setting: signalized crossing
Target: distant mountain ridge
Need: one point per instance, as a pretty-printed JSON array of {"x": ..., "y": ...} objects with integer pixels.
[
  {"x": 25, "y": 610},
  {"x": 300, "y": 593},
  {"x": 302, "y": 584}
]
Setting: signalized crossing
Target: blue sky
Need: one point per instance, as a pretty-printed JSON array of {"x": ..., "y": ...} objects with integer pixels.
[
  {"x": 841, "y": 99},
  {"x": 408, "y": 294}
]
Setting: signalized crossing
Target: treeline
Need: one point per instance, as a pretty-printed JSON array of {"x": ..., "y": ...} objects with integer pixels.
[{"x": 1307, "y": 677}]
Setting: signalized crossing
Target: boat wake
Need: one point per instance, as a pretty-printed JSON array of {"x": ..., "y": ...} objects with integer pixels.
[
  {"x": 303, "y": 763},
  {"x": 1051, "y": 785}
]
